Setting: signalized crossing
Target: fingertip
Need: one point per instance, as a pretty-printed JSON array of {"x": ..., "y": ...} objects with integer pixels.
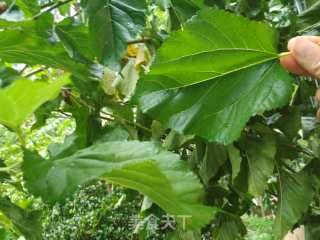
[{"x": 289, "y": 63}]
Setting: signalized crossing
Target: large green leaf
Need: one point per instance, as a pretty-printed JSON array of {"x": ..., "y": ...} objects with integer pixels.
[
  {"x": 207, "y": 49},
  {"x": 141, "y": 166},
  {"x": 25, "y": 46},
  {"x": 112, "y": 24},
  {"x": 27, "y": 222},
  {"x": 260, "y": 152},
  {"x": 75, "y": 39},
  {"x": 29, "y": 7},
  {"x": 226, "y": 74},
  {"x": 23, "y": 97},
  {"x": 296, "y": 193}
]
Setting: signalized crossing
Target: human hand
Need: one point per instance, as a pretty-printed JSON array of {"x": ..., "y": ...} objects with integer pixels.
[
  {"x": 304, "y": 56},
  {"x": 304, "y": 59}
]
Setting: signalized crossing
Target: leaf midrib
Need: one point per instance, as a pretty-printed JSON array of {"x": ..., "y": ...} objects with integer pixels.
[
  {"x": 218, "y": 50},
  {"x": 214, "y": 77}
]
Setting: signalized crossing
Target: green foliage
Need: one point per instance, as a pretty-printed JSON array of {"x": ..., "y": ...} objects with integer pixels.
[
  {"x": 296, "y": 193},
  {"x": 29, "y": 7},
  {"x": 97, "y": 212},
  {"x": 23, "y": 97},
  {"x": 258, "y": 228},
  {"x": 112, "y": 24},
  {"x": 140, "y": 166},
  {"x": 27, "y": 222},
  {"x": 310, "y": 17},
  {"x": 230, "y": 74},
  {"x": 260, "y": 154},
  {"x": 23, "y": 46}
]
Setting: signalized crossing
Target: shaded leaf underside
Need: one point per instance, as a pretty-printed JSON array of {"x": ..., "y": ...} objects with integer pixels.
[{"x": 141, "y": 166}]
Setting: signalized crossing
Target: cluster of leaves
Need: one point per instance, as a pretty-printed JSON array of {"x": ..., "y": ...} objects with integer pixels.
[{"x": 182, "y": 101}]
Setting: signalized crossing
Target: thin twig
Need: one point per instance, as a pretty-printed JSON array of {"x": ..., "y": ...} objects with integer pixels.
[
  {"x": 108, "y": 115},
  {"x": 54, "y": 6},
  {"x": 23, "y": 69},
  {"x": 49, "y": 4},
  {"x": 143, "y": 40},
  {"x": 63, "y": 113},
  {"x": 35, "y": 72},
  {"x": 127, "y": 121},
  {"x": 106, "y": 118}
]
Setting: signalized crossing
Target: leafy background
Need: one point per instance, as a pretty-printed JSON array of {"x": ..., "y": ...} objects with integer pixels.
[{"x": 182, "y": 103}]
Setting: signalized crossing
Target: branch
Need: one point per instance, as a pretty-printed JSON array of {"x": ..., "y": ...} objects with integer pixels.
[
  {"x": 143, "y": 40},
  {"x": 35, "y": 72},
  {"x": 116, "y": 117},
  {"x": 23, "y": 69},
  {"x": 53, "y": 6},
  {"x": 49, "y": 4}
]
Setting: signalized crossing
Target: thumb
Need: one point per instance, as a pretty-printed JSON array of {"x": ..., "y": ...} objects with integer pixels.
[{"x": 307, "y": 54}]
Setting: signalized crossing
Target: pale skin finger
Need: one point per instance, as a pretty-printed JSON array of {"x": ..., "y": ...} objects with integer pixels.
[
  {"x": 306, "y": 53},
  {"x": 304, "y": 59},
  {"x": 292, "y": 61}
]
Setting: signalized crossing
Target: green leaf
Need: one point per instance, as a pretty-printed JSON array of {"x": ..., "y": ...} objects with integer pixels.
[
  {"x": 174, "y": 140},
  {"x": 7, "y": 75},
  {"x": 235, "y": 159},
  {"x": 229, "y": 228},
  {"x": 5, "y": 234},
  {"x": 112, "y": 24},
  {"x": 260, "y": 152},
  {"x": 16, "y": 24},
  {"x": 138, "y": 165},
  {"x": 44, "y": 112},
  {"x": 296, "y": 193},
  {"x": 22, "y": 46},
  {"x": 182, "y": 10},
  {"x": 290, "y": 122},
  {"x": 27, "y": 222},
  {"x": 29, "y": 7},
  {"x": 226, "y": 74},
  {"x": 75, "y": 39},
  {"x": 207, "y": 49},
  {"x": 215, "y": 156},
  {"x": 3, "y": 175},
  {"x": 312, "y": 228},
  {"x": 114, "y": 132},
  {"x": 23, "y": 97}
]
